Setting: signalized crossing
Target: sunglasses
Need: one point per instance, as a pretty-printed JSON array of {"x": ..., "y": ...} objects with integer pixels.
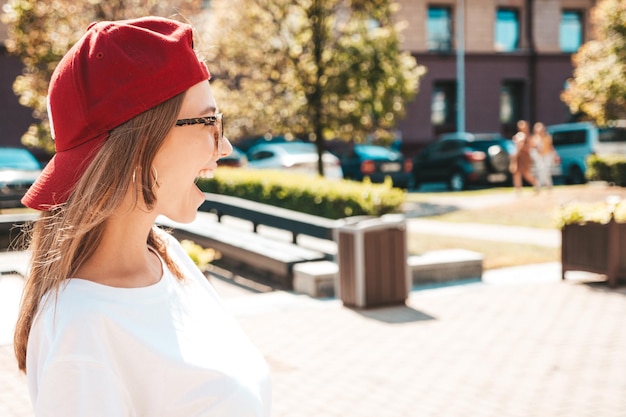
[{"x": 208, "y": 121}]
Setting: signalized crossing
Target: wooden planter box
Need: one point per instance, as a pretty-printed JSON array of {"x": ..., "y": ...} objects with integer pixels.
[{"x": 595, "y": 247}]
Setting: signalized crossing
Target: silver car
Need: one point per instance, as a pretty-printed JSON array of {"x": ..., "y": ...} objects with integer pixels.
[{"x": 298, "y": 157}]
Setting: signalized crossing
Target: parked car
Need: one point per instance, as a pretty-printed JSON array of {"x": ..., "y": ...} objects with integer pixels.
[
  {"x": 376, "y": 163},
  {"x": 574, "y": 142},
  {"x": 236, "y": 159},
  {"x": 18, "y": 170},
  {"x": 298, "y": 156},
  {"x": 245, "y": 144},
  {"x": 461, "y": 159}
]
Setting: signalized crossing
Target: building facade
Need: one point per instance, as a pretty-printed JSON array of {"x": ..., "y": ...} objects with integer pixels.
[{"x": 517, "y": 58}]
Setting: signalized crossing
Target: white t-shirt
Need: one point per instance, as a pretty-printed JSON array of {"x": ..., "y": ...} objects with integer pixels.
[{"x": 167, "y": 350}]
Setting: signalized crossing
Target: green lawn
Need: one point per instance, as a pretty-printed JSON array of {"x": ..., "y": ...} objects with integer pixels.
[
  {"x": 503, "y": 206},
  {"x": 496, "y": 254}
]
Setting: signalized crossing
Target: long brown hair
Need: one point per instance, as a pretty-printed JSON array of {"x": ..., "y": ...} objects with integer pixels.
[{"x": 64, "y": 237}]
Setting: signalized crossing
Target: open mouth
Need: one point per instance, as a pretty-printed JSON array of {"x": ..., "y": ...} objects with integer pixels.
[{"x": 204, "y": 173}]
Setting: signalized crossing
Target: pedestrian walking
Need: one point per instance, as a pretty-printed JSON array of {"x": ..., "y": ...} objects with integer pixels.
[
  {"x": 546, "y": 155},
  {"x": 522, "y": 162},
  {"x": 116, "y": 320}
]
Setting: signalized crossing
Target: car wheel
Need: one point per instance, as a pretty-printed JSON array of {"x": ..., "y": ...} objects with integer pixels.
[
  {"x": 499, "y": 158},
  {"x": 576, "y": 175},
  {"x": 415, "y": 183},
  {"x": 456, "y": 182}
]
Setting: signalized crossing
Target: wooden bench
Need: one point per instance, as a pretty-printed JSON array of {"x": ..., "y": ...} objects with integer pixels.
[
  {"x": 269, "y": 256},
  {"x": 11, "y": 226},
  {"x": 264, "y": 214}
]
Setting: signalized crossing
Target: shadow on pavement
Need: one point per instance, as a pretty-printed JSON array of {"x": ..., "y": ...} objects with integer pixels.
[
  {"x": 422, "y": 209},
  {"x": 603, "y": 286},
  {"x": 394, "y": 314}
]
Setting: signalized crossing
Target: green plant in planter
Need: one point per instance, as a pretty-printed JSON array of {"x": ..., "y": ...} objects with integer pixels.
[
  {"x": 200, "y": 256},
  {"x": 580, "y": 213}
]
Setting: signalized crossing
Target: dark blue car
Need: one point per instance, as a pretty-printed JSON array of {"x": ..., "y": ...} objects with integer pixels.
[
  {"x": 376, "y": 162},
  {"x": 463, "y": 159}
]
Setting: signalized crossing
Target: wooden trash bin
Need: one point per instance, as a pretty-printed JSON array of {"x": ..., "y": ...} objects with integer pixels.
[{"x": 372, "y": 260}]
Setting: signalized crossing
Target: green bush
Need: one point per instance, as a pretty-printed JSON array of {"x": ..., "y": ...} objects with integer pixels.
[
  {"x": 200, "y": 256},
  {"x": 318, "y": 196},
  {"x": 610, "y": 168}
]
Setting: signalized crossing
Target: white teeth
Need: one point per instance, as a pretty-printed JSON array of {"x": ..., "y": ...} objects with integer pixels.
[{"x": 205, "y": 173}]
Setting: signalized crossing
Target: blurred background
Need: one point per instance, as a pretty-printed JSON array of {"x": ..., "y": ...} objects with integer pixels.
[{"x": 392, "y": 73}]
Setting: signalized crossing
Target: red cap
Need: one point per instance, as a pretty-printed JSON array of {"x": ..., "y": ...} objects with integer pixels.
[{"x": 115, "y": 72}]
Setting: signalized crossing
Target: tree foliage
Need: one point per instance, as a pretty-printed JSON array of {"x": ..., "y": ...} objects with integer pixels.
[
  {"x": 40, "y": 32},
  {"x": 598, "y": 88},
  {"x": 318, "y": 69},
  {"x": 310, "y": 68}
]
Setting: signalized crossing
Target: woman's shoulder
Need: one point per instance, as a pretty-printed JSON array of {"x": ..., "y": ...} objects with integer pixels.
[{"x": 71, "y": 308}]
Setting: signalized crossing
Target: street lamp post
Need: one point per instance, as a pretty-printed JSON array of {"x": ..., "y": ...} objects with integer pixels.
[{"x": 460, "y": 65}]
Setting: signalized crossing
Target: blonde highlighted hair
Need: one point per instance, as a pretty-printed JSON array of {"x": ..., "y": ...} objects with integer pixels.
[{"x": 64, "y": 237}]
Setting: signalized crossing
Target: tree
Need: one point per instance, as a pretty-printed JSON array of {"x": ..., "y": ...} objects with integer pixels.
[
  {"x": 598, "y": 88},
  {"x": 317, "y": 69},
  {"x": 40, "y": 32}
]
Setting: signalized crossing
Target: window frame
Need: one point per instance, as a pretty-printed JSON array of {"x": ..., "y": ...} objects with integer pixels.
[
  {"x": 449, "y": 90},
  {"x": 501, "y": 47},
  {"x": 581, "y": 21},
  {"x": 444, "y": 45}
]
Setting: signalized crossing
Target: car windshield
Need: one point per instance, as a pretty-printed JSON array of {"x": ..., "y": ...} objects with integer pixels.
[
  {"x": 18, "y": 159},
  {"x": 297, "y": 147},
  {"x": 483, "y": 145},
  {"x": 372, "y": 151},
  {"x": 612, "y": 134}
]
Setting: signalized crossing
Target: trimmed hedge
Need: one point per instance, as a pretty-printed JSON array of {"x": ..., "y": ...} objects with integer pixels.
[
  {"x": 609, "y": 168},
  {"x": 318, "y": 196}
]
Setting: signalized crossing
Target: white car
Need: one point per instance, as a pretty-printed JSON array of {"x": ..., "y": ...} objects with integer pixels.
[
  {"x": 298, "y": 157},
  {"x": 575, "y": 142}
]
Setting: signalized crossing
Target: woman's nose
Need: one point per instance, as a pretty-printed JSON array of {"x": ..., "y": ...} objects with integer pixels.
[{"x": 227, "y": 148}]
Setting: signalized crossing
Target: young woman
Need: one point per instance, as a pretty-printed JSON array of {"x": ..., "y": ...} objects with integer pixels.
[
  {"x": 116, "y": 320},
  {"x": 522, "y": 162},
  {"x": 546, "y": 155}
]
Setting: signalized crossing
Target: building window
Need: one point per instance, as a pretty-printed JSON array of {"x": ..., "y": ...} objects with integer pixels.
[
  {"x": 511, "y": 99},
  {"x": 443, "y": 104},
  {"x": 507, "y": 31},
  {"x": 571, "y": 31},
  {"x": 439, "y": 29}
]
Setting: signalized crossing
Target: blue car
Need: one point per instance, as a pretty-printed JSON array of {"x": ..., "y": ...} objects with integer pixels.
[
  {"x": 376, "y": 163},
  {"x": 18, "y": 170}
]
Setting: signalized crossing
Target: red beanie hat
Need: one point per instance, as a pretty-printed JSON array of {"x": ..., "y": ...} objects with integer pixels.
[{"x": 115, "y": 72}]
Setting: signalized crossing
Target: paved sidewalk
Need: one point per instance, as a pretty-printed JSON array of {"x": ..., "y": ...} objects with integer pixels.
[{"x": 521, "y": 343}]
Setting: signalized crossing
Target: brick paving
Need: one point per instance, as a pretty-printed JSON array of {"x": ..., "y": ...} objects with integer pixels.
[{"x": 534, "y": 347}]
